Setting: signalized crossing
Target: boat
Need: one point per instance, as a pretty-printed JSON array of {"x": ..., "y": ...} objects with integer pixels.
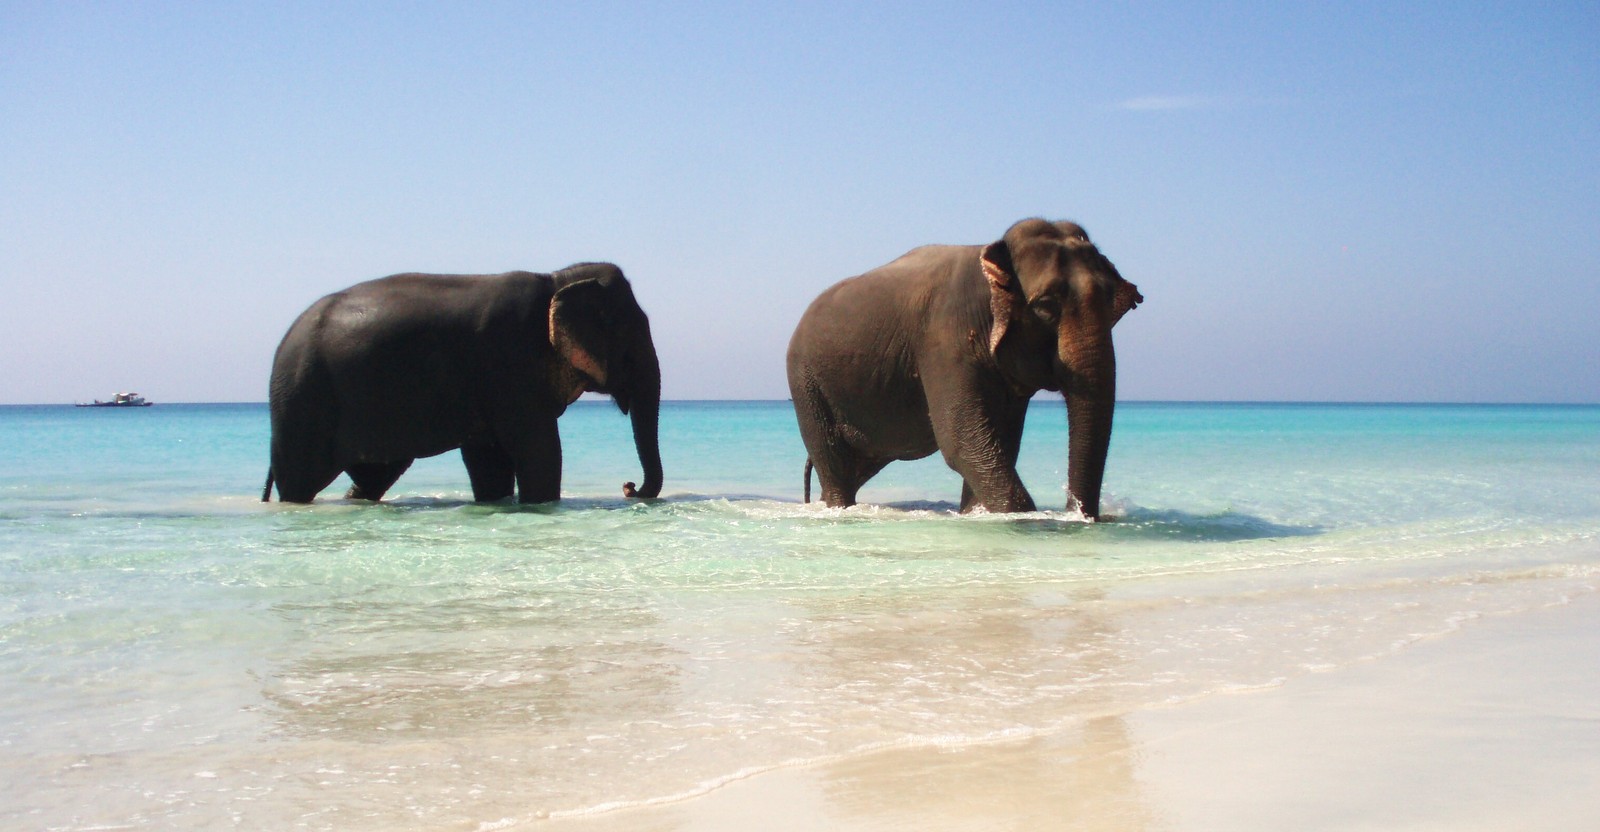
[{"x": 119, "y": 400}]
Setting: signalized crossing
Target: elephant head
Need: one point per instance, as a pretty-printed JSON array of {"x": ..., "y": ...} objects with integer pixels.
[
  {"x": 1055, "y": 298},
  {"x": 596, "y": 325}
]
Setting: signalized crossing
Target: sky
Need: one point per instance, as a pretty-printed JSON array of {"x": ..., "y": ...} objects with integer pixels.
[{"x": 1319, "y": 202}]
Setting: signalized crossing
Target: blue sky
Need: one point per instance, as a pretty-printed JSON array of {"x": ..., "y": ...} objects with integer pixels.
[{"x": 1320, "y": 202}]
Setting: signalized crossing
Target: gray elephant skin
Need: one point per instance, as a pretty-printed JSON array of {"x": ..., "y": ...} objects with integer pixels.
[
  {"x": 942, "y": 349},
  {"x": 408, "y": 366}
]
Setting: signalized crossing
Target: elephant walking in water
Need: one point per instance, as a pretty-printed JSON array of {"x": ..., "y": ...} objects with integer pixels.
[
  {"x": 942, "y": 349},
  {"x": 371, "y": 378}
]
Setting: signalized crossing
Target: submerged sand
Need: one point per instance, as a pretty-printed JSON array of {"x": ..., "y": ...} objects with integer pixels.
[{"x": 1494, "y": 726}]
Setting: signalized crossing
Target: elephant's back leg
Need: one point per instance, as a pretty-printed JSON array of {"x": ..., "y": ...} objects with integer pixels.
[
  {"x": 373, "y": 479},
  {"x": 841, "y": 467},
  {"x": 304, "y": 418},
  {"x": 818, "y": 427},
  {"x": 301, "y": 477},
  {"x": 852, "y": 472}
]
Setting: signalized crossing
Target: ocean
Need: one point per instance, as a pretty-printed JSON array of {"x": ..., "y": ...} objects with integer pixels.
[{"x": 175, "y": 654}]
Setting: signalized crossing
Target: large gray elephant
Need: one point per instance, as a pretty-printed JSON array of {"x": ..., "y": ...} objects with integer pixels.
[
  {"x": 942, "y": 349},
  {"x": 371, "y": 378}
]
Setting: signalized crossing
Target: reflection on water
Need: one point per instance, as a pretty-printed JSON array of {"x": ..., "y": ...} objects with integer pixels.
[
  {"x": 1094, "y": 789},
  {"x": 549, "y": 702},
  {"x": 463, "y": 670}
]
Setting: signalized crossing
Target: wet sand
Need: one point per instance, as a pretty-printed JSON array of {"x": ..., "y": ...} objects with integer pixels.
[{"x": 1495, "y": 726}]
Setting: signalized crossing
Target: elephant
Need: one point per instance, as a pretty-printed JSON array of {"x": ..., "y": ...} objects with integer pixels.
[
  {"x": 942, "y": 350},
  {"x": 371, "y": 378}
]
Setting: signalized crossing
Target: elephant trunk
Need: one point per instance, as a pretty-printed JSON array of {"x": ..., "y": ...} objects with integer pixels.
[
  {"x": 1091, "y": 394},
  {"x": 646, "y": 415}
]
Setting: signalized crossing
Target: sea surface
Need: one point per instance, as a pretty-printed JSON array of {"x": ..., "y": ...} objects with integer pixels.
[{"x": 175, "y": 654}]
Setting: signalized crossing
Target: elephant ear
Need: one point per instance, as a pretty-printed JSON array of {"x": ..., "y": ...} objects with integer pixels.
[
  {"x": 578, "y": 329},
  {"x": 1003, "y": 291},
  {"x": 1126, "y": 298}
]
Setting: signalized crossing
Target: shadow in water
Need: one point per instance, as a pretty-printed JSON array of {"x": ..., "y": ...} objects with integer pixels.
[
  {"x": 566, "y": 504},
  {"x": 1223, "y": 527},
  {"x": 1134, "y": 524},
  {"x": 944, "y": 506},
  {"x": 507, "y": 506}
]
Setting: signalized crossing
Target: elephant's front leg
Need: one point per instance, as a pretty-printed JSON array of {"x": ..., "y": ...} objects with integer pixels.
[
  {"x": 980, "y": 438},
  {"x": 1007, "y": 423},
  {"x": 492, "y": 471},
  {"x": 989, "y": 482},
  {"x": 538, "y": 462}
]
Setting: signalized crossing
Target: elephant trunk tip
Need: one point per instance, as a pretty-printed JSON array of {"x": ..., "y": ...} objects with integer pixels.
[{"x": 649, "y": 492}]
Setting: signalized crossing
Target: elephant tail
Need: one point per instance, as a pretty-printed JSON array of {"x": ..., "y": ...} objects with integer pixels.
[
  {"x": 266, "y": 493},
  {"x": 808, "y": 479}
]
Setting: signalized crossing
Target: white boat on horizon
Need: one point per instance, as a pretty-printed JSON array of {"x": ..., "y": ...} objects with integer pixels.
[{"x": 119, "y": 400}]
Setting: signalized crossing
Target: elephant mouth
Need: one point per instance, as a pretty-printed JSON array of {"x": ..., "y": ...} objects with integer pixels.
[
  {"x": 579, "y": 382},
  {"x": 574, "y": 393}
]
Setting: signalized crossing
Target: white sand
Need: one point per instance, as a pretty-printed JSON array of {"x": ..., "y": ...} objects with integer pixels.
[{"x": 1493, "y": 727}]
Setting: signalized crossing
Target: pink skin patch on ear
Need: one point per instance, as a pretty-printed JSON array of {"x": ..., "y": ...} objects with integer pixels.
[
  {"x": 999, "y": 306},
  {"x": 579, "y": 358}
]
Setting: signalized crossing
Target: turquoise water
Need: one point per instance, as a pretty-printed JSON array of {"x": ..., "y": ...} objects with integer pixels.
[{"x": 176, "y": 654}]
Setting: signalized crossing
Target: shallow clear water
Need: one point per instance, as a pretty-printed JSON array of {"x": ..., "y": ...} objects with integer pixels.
[{"x": 175, "y": 654}]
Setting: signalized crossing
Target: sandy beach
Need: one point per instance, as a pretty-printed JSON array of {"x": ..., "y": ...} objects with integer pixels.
[{"x": 1495, "y": 726}]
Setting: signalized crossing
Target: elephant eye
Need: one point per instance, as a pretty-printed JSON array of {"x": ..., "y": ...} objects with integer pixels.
[{"x": 1046, "y": 307}]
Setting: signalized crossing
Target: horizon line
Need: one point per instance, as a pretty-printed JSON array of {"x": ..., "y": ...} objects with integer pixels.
[{"x": 787, "y": 400}]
